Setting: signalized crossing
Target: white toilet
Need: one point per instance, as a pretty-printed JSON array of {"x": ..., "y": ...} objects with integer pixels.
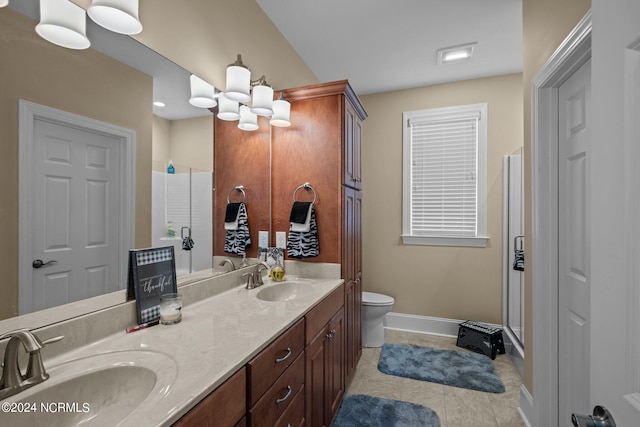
[{"x": 374, "y": 309}]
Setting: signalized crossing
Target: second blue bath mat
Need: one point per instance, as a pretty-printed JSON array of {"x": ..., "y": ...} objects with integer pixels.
[
  {"x": 455, "y": 368},
  {"x": 359, "y": 410}
]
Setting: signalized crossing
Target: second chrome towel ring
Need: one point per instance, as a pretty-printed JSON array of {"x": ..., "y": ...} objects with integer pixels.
[
  {"x": 306, "y": 186},
  {"x": 239, "y": 188}
]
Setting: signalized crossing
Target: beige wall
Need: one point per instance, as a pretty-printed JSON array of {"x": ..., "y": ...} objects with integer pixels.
[
  {"x": 85, "y": 83},
  {"x": 204, "y": 36},
  {"x": 188, "y": 142},
  {"x": 546, "y": 23},
  {"x": 161, "y": 151},
  {"x": 437, "y": 281}
]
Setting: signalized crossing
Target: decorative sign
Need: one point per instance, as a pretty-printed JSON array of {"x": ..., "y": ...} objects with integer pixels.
[{"x": 152, "y": 272}]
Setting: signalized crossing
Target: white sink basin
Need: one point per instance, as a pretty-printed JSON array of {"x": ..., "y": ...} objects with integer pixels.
[
  {"x": 98, "y": 390},
  {"x": 285, "y": 291}
]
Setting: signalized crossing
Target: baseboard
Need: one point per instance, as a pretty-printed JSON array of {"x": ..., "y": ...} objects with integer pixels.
[
  {"x": 526, "y": 406},
  {"x": 424, "y": 324}
]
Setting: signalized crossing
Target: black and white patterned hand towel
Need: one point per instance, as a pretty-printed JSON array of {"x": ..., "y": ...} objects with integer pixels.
[
  {"x": 304, "y": 244},
  {"x": 238, "y": 240}
]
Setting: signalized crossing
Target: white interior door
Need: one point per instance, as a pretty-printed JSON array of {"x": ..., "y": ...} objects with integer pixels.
[
  {"x": 615, "y": 299},
  {"x": 76, "y": 207},
  {"x": 574, "y": 320}
]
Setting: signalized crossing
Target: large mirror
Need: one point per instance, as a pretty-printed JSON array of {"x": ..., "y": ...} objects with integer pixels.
[{"x": 113, "y": 86}]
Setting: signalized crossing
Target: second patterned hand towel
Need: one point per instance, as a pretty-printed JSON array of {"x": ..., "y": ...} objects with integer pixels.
[
  {"x": 237, "y": 240},
  {"x": 303, "y": 233}
]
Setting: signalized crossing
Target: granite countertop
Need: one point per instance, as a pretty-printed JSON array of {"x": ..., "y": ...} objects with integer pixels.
[{"x": 216, "y": 337}]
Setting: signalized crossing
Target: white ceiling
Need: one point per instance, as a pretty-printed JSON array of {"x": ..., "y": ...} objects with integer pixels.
[{"x": 390, "y": 45}]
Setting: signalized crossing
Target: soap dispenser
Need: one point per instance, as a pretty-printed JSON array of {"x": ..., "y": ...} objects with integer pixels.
[
  {"x": 170, "y": 168},
  {"x": 277, "y": 271}
]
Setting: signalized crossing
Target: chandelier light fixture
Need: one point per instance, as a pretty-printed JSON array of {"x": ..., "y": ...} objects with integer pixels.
[
  {"x": 63, "y": 23},
  {"x": 238, "y": 81},
  {"x": 228, "y": 109},
  {"x": 119, "y": 16},
  {"x": 281, "y": 112},
  {"x": 262, "y": 104},
  {"x": 248, "y": 120},
  {"x": 242, "y": 90},
  {"x": 202, "y": 93}
]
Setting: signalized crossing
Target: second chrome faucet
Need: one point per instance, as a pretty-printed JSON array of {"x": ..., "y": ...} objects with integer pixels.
[{"x": 254, "y": 279}]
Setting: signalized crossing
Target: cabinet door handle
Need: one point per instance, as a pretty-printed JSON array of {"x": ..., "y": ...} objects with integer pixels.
[
  {"x": 282, "y": 359},
  {"x": 333, "y": 332},
  {"x": 286, "y": 396}
]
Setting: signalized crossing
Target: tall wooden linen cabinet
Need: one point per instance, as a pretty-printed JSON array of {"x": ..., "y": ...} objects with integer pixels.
[{"x": 322, "y": 147}]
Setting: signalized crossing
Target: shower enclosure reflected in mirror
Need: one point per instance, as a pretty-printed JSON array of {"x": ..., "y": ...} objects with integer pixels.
[
  {"x": 514, "y": 255},
  {"x": 181, "y": 215}
]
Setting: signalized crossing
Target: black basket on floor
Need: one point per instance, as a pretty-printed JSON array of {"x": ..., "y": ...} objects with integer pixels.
[{"x": 481, "y": 338}]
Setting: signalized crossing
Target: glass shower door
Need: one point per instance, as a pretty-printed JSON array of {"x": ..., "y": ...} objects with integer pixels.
[
  {"x": 515, "y": 260},
  {"x": 182, "y": 215}
]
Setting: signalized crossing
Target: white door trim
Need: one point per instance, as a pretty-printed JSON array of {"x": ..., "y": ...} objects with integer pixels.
[
  {"x": 573, "y": 53},
  {"x": 28, "y": 112},
  {"x": 632, "y": 220}
]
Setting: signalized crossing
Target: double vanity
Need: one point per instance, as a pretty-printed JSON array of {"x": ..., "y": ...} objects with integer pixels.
[{"x": 239, "y": 357}]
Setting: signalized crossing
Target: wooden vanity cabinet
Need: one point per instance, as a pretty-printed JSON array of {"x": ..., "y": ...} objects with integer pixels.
[
  {"x": 224, "y": 407},
  {"x": 352, "y": 275},
  {"x": 297, "y": 380},
  {"x": 325, "y": 360},
  {"x": 323, "y": 146},
  {"x": 275, "y": 380}
]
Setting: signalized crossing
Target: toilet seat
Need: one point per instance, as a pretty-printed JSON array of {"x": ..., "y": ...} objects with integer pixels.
[{"x": 374, "y": 299}]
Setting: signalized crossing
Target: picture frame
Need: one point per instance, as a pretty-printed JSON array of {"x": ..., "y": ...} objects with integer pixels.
[{"x": 152, "y": 273}]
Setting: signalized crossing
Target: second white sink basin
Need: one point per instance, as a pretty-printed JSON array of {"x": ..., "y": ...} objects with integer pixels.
[
  {"x": 98, "y": 390},
  {"x": 285, "y": 291}
]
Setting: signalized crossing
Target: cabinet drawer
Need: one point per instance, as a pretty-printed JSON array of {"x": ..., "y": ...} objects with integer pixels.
[
  {"x": 279, "y": 397},
  {"x": 318, "y": 317},
  {"x": 222, "y": 408},
  {"x": 274, "y": 360},
  {"x": 294, "y": 415}
]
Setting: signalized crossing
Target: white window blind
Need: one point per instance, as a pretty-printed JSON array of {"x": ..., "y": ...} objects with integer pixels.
[{"x": 444, "y": 176}]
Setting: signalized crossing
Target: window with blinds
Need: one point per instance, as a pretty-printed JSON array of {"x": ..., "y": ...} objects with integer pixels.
[{"x": 445, "y": 176}]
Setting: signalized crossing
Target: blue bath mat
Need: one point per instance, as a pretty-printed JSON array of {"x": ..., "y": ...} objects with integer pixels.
[
  {"x": 359, "y": 410},
  {"x": 448, "y": 367}
]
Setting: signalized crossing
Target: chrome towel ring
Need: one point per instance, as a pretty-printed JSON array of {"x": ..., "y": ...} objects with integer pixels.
[
  {"x": 239, "y": 188},
  {"x": 307, "y": 187}
]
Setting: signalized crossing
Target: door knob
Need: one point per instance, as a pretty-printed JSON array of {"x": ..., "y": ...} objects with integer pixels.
[
  {"x": 601, "y": 418},
  {"x": 39, "y": 263}
]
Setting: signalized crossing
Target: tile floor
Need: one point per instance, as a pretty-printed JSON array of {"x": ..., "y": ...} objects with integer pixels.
[{"x": 456, "y": 407}]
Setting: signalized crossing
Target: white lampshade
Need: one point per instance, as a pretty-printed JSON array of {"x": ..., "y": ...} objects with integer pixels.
[
  {"x": 202, "y": 93},
  {"x": 228, "y": 109},
  {"x": 248, "y": 120},
  {"x": 238, "y": 82},
  {"x": 281, "y": 113},
  {"x": 262, "y": 104},
  {"x": 4, "y": 3},
  {"x": 120, "y": 16},
  {"x": 63, "y": 23}
]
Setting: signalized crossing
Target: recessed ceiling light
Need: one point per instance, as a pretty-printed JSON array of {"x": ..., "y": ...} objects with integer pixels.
[
  {"x": 455, "y": 53},
  {"x": 159, "y": 104}
]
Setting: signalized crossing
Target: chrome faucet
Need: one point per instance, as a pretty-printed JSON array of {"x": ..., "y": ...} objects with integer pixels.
[
  {"x": 249, "y": 277},
  {"x": 13, "y": 381},
  {"x": 227, "y": 261},
  {"x": 258, "y": 274}
]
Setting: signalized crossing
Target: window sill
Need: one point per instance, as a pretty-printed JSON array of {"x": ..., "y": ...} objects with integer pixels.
[{"x": 474, "y": 242}]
